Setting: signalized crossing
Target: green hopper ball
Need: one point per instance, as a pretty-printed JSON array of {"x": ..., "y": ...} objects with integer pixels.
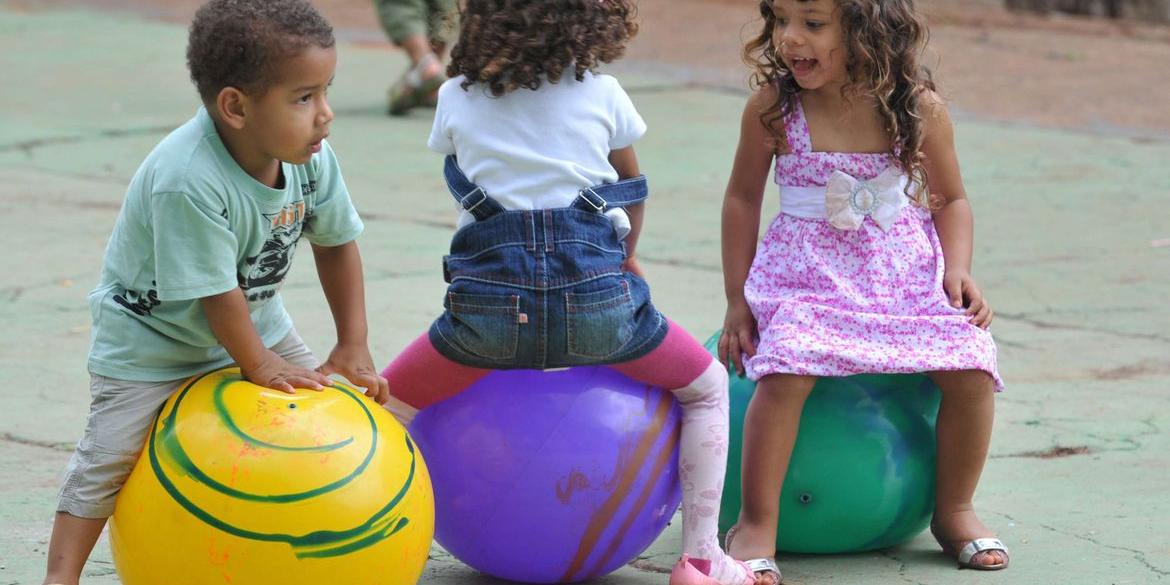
[{"x": 862, "y": 471}]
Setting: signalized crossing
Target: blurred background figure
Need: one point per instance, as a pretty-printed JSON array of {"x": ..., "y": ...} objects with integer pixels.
[{"x": 423, "y": 29}]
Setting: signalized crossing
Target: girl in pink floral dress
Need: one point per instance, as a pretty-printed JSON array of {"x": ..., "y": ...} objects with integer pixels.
[{"x": 862, "y": 271}]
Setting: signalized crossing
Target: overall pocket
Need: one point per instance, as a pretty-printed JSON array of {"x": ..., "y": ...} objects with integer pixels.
[
  {"x": 599, "y": 323},
  {"x": 485, "y": 325}
]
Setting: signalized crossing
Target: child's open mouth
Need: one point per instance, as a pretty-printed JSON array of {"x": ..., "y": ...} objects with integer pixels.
[{"x": 802, "y": 66}]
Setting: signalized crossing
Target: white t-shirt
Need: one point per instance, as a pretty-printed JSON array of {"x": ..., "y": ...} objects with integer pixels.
[{"x": 536, "y": 149}]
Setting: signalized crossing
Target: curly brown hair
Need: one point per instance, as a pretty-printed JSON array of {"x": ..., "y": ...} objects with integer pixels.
[
  {"x": 885, "y": 40},
  {"x": 242, "y": 43},
  {"x": 511, "y": 44}
]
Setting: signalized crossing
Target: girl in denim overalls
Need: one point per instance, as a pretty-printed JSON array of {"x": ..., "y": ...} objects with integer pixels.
[{"x": 542, "y": 271}]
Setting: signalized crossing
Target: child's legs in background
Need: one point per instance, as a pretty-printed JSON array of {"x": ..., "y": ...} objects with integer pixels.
[
  {"x": 443, "y": 23},
  {"x": 963, "y": 434},
  {"x": 421, "y": 376},
  {"x": 682, "y": 365},
  {"x": 120, "y": 417},
  {"x": 404, "y": 20},
  {"x": 418, "y": 26},
  {"x": 769, "y": 433}
]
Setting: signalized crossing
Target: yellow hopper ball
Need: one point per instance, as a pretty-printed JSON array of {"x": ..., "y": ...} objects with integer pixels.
[{"x": 242, "y": 485}]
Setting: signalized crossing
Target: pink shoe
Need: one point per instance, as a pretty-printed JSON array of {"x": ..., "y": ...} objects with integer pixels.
[{"x": 690, "y": 571}]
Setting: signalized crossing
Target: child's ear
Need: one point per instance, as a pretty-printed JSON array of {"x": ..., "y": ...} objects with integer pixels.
[{"x": 233, "y": 106}]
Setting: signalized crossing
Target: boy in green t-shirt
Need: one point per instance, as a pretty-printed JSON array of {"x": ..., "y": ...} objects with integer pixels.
[{"x": 193, "y": 269}]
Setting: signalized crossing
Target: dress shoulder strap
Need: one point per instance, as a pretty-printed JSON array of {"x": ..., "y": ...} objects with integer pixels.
[{"x": 796, "y": 129}]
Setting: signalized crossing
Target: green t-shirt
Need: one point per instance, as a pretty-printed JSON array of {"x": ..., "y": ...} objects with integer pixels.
[{"x": 193, "y": 225}]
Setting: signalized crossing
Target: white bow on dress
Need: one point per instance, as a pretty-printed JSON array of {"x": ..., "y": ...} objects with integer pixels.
[{"x": 848, "y": 201}]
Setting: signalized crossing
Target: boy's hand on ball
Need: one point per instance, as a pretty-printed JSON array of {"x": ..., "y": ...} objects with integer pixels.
[
  {"x": 272, "y": 371},
  {"x": 355, "y": 364}
]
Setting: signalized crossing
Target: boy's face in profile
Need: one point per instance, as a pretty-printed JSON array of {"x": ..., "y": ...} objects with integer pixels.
[{"x": 289, "y": 121}]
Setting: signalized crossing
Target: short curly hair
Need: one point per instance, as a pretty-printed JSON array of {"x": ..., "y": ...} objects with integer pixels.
[
  {"x": 511, "y": 44},
  {"x": 242, "y": 43}
]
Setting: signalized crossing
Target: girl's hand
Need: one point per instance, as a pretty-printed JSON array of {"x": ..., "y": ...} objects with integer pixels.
[
  {"x": 736, "y": 339},
  {"x": 272, "y": 371},
  {"x": 354, "y": 362},
  {"x": 963, "y": 292}
]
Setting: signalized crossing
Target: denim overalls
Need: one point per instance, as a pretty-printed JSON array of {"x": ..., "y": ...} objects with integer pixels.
[{"x": 543, "y": 288}]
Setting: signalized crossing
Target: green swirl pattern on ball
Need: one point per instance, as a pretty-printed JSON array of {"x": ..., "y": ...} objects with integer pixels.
[{"x": 164, "y": 445}]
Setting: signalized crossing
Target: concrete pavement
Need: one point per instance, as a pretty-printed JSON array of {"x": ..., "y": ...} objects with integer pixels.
[{"x": 1073, "y": 249}]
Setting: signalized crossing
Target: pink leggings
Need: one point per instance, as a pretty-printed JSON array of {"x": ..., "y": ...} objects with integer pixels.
[{"x": 420, "y": 376}]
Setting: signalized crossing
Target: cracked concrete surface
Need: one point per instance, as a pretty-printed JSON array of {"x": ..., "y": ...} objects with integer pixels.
[{"x": 1068, "y": 225}]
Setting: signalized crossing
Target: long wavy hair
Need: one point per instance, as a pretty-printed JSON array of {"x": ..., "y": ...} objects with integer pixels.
[
  {"x": 885, "y": 40},
  {"x": 506, "y": 45}
]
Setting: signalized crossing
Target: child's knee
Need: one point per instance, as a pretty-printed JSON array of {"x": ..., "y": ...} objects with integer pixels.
[
  {"x": 93, "y": 480},
  {"x": 964, "y": 384},
  {"x": 784, "y": 388},
  {"x": 709, "y": 387}
]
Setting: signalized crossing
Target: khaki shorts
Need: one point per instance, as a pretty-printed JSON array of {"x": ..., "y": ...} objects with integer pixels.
[
  {"x": 437, "y": 20},
  {"x": 120, "y": 417}
]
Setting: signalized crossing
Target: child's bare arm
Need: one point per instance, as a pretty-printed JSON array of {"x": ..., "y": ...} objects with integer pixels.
[
  {"x": 954, "y": 221},
  {"x": 625, "y": 162},
  {"x": 741, "y": 221},
  {"x": 227, "y": 314},
  {"x": 340, "y": 270}
]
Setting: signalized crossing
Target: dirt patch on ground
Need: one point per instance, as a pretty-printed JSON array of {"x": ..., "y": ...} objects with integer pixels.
[
  {"x": 1057, "y": 71},
  {"x": 1142, "y": 369},
  {"x": 1055, "y": 453}
]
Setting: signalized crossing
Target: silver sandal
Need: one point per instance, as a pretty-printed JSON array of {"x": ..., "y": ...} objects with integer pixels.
[
  {"x": 761, "y": 566},
  {"x": 978, "y": 545},
  {"x": 966, "y": 554}
]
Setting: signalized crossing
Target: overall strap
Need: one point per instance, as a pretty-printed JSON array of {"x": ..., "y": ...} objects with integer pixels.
[
  {"x": 599, "y": 198},
  {"x": 469, "y": 195}
]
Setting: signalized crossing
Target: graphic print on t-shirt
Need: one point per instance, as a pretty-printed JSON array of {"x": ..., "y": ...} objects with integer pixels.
[
  {"x": 266, "y": 270},
  {"x": 140, "y": 303}
]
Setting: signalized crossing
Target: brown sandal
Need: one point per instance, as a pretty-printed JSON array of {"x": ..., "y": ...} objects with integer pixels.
[{"x": 412, "y": 89}]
